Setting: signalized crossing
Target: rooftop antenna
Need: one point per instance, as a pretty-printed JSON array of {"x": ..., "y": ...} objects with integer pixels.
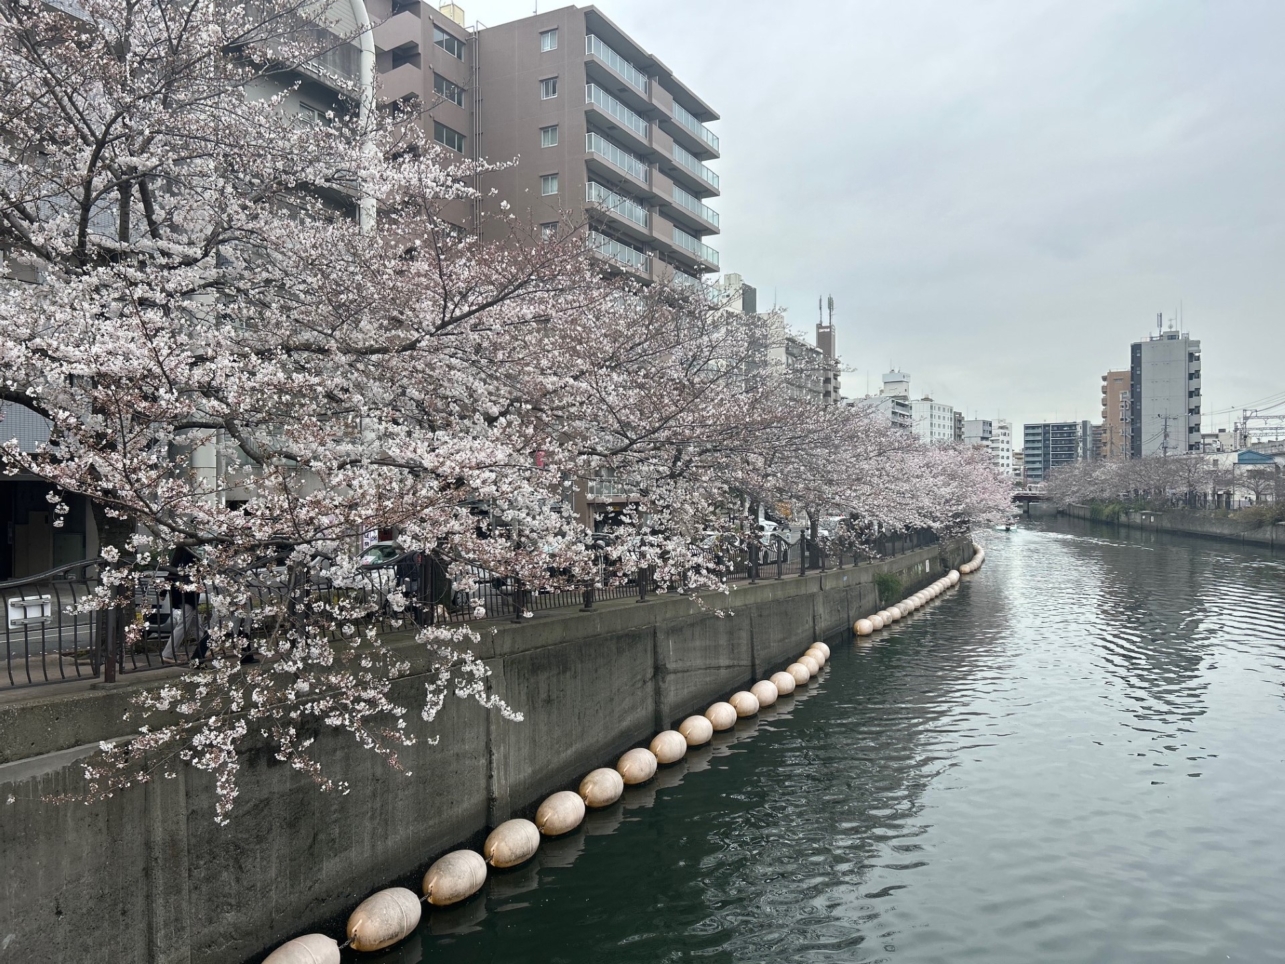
[
  {"x": 830, "y": 305},
  {"x": 1160, "y": 322},
  {"x": 820, "y": 313}
]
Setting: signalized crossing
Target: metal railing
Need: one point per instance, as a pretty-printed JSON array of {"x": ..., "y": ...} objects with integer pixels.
[
  {"x": 620, "y": 252},
  {"x": 627, "y": 208},
  {"x": 51, "y": 636},
  {"x": 688, "y": 120},
  {"x": 593, "y": 94},
  {"x": 621, "y": 158},
  {"x": 693, "y": 164},
  {"x": 695, "y": 246},
  {"x": 692, "y": 203},
  {"x": 616, "y": 62}
]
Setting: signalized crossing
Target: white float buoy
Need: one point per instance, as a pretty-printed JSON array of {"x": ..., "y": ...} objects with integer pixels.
[
  {"x": 384, "y": 918},
  {"x": 636, "y": 766},
  {"x": 455, "y": 877},
  {"x": 954, "y": 577},
  {"x": 863, "y": 627},
  {"x": 783, "y": 682},
  {"x": 813, "y": 666},
  {"x": 745, "y": 703},
  {"x": 823, "y": 647},
  {"x": 511, "y": 843},
  {"x": 816, "y": 654},
  {"x": 696, "y": 730},
  {"x": 722, "y": 716},
  {"x": 668, "y": 746},
  {"x": 896, "y": 613},
  {"x": 877, "y": 621},
  {"x": 309, "y": 949},
  {"x": 601, "y": 787},
  {"x": 765, "y": 692},
  {"x": 800, "y": 673},
  {"x": 560, "y": 813}
]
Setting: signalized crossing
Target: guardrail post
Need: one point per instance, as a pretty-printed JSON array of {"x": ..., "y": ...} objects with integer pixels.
[
  {"x": 644, "y": 577},
  {"x": 754, "y": 561},
  {"x": 517, "y": 600},
  {"x": 588, "y": 599},
  {"x": 780, "y": 556},
  {"x": 109, "y": 642}
]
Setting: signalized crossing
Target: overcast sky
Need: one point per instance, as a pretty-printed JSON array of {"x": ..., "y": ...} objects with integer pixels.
[{"x": 999, "y": 195}]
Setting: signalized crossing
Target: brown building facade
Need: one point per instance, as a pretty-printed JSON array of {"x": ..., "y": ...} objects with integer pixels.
[
  {"x": 1116, "y": 432},
  {"x": 601, "y": 130}
]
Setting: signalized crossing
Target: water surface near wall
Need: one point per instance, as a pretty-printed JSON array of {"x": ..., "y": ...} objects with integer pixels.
[{"x": 1074, "y": 758}]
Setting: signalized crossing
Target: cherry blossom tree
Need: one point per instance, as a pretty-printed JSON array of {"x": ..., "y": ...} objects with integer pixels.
[{"x": 232, "y": 362}]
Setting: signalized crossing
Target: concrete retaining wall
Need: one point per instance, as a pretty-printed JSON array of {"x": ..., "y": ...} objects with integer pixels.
[
  {"x": 1205, "y": 524},
  {"x": 148, "y": 878}
]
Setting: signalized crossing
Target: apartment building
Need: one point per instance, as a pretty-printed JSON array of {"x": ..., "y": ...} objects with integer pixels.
[
  {"x": 1164, "y": 394},
  {"x": 934, "y": 422},
  {"x": 1051, "y": 445},
  {"x": 978, "y": 431},
  {"x": 604, "y": 135},
  {"x": 1116, "y": 435},
  {"x": 1001, "y": 445}
]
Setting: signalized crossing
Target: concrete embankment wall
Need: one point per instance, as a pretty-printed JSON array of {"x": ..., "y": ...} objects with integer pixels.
[
  {"x": 148, "y": 878},
  {"x": 1205, "y": 524}
]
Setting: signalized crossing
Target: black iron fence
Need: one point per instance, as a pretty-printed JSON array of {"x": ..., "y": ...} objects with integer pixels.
[{"x": 58, "y": 628}]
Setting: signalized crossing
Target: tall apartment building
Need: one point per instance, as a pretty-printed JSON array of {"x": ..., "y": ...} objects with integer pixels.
[
  {"x": 1001, "y": 444},
  {"x": 1164, "y": 394},
  {"x": 958, "y": 432},
  {"x": 1116, "y": 435},
  {"x": 603, "y": 131},
  {"x": 977, "y": 431},
  {"x": 1051, "y": 445}
]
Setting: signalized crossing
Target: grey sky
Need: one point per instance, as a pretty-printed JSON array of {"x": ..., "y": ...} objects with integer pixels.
[{"x": 999, "y": 195}]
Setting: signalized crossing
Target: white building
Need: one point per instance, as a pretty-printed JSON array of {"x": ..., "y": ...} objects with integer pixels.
[
  {"x": 934, "y": 422},
  {"x": 1002, "y": 446},
  {"x": 977, "y": 431},
  {"x": 1164, "y": 397}
]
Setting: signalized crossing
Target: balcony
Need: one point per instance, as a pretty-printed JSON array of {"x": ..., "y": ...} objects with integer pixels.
[
  {"x": 399, "y": 29},
  {"x": 617, "y": 118},
  {"x": 707, "y": 138},
  {"x": 619, "y": 65},
  {"x": 616, "y": 156},
  {"x": 400, "y": 82},
  {"x": 622, "y": 207},
  {"x": 695, "y": 247},
  {"x": 621, "y": 253},
  {"x": 693, "y": 206},
  {"x": 692, "y": 165}
]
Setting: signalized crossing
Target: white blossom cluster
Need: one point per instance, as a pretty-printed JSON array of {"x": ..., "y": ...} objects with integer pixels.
[{"x": 231, "y": 363}]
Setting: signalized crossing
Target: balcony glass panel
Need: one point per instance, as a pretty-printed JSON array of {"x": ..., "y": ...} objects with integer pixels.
[
  {"x": 618, "y": 251},
  {"x": 625, "y": 207},
  {"x": 619, "y": 64},
  {"x": 688, "y": 120},
  {"x": 692, "y": 164},
  {"x": 593, "y": 94},
  {"x": 597, "y": 144},
  {"x": 694, "y": 245},
  {"x": 693, "y": 204}
]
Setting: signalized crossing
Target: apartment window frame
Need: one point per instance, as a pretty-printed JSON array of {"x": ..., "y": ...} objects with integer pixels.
[
  {"x": 448, "y": 90},
  {"x": 452, "y": 44},
  {"x": 448, "y": 137},
  {"x": 548, "y": 40},
  {"x": 548, "y": 84},
  {"x": 547, "y": 180},
  {"x": 549, "y": 136},
  {"x": 549, "y": 231}
]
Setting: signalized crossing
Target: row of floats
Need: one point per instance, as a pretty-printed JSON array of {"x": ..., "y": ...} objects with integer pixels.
[
  {"x": 390, "y": 915},
  {"x": 899, "y": 611}
]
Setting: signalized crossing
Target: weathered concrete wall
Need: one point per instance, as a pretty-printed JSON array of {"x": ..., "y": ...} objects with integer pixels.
[
  {"x": 148, "y": 878},
  {"x": 1208, "y": 525}
]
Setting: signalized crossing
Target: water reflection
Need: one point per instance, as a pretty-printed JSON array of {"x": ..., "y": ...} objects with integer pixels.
[{"x": 1070, "y": 759}]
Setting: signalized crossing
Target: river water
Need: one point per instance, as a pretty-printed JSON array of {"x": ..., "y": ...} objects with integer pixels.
[{"x": 1076, "y": 757}]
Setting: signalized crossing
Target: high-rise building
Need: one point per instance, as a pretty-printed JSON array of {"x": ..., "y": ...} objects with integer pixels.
[
  {"x": 1050, "y": 445},
  {"x": 602, "y": 129},
  {"x": 892, "y": 402},
  {"x": 977, "y": 431},
  {"x": 1116, "y": 436},
  {"x": 959, "y": 426},
  {"x": 1164, "y": 394},
  {"x": 1001, "y": 444}
]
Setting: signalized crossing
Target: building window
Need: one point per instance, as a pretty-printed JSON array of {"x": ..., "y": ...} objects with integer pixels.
[
  {"x": 446, "y": 90},
  {"x": 444, "y": 135},
  {"x": 548, "y": 184},
  {"x": 312, "y": 116},
  {"x": 451, "y": 44},
  {"x": 549, "y": 232},
  {"x": 549, "y": 136},
  {"x": 549, "y": 88},
  {"x": 549, "y": 39}
]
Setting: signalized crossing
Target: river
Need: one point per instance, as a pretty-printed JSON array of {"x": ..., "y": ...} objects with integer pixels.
[{"x": 1076, "y": 757}]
